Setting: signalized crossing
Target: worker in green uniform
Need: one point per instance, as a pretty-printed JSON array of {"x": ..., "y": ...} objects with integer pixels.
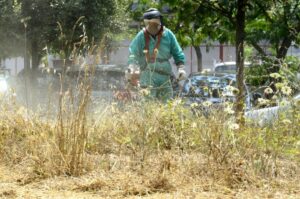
[{"x": 151, "y": 50}]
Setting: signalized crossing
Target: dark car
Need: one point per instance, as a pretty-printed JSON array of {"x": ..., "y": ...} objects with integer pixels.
[{"x": 214, "y": 87}]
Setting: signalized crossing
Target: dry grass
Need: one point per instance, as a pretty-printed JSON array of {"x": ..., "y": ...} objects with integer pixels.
[{"x": 146, "y": 149}]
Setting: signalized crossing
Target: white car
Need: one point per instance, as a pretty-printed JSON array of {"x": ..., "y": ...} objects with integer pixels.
[
  {"x": 227, "y": 67},
  {"x": 3, "y": 85},
  {"x": 265, "y": 116},
  {"x": 4, "y": 75}
]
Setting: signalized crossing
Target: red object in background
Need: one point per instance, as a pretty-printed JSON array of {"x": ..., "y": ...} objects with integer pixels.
[
  {"x": 221, "y": 53},
  {"x": 135, "y": 78},
  {"x": 123, "y": 95}
]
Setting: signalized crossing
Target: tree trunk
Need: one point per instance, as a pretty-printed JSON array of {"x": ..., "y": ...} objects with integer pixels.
[
  {"x": 35, "y": 55},
  {"x": 199, "y": 58},
  {"x": 26, "y": 55},
  {"x": 35, "y": 61},
  {"x": 240, "y": 36},
  {"x": 280, "y": 56},
  {"x": 285, "y": 45}
]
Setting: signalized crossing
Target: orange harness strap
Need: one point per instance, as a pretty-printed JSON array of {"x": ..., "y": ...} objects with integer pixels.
[{"x": 155, "y": 50}]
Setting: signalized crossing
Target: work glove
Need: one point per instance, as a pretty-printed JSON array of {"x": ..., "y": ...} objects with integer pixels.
[
  {"x": 129, "y": 72},
  {"x": 132, "y": 75},
  {"x": 181, "y": 73}
]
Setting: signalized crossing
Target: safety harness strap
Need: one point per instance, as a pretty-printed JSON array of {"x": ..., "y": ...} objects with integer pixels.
[{"x": 155, "y": 50}]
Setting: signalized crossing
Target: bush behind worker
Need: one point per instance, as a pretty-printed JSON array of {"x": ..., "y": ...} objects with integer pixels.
[{"x": 151, "y": 50}]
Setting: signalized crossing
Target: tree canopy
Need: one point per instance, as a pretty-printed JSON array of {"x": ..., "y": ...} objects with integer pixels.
[
  {"x": 276, "y": 23},
  {"x": 10, "y": 42},
  {"x": 57, "y": 24}
]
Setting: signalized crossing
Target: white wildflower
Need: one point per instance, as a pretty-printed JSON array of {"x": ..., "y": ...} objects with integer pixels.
[
  {"x": 283, "y": 103},
  {"x": 22, "y": 110},
  {"x": 194, "y": 125},
  {"x": 207, "y": 104},
  {"x": 298, "y": 143},
  {"x": 113, "y": 107},
  {"x": 194, "y": 105},
  {"x": 177, "y": 102},
  {"x": 229, "y": 88},
  {"x": 233, "y": 126},
  {"x": 145, "y": 92},
  {"x": 275, "y": 75},
  {"x": 228, "y": 91},
  {"x": 268, "y": 90},
  {"x": 207, "y": 70},
  {"x": 279, "y": 85},
  {"x": 262, "y": 101},
  {"x": 261, "y": 122},
  {"x": 229, "y": 110},
  {"x": 286, "y": 121},
  {"x": 274, "y": 97},
  {"x": 286, "y": 90}
]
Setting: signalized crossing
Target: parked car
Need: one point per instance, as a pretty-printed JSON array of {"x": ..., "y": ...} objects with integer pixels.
[
  {"x": 4, "y": 77},
  {"x": 269, "y": 115},
  {"x": 214, "y": 87},
  {"x": 3, "y": 85},
  {"x": 227, "y": 67}
]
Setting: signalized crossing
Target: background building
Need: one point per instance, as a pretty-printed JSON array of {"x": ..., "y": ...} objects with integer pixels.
[{"x": 210, "y": 56}]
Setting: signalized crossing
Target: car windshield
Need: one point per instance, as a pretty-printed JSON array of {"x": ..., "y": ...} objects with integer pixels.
[
  {"x": 199, "y": 80},
  {"x": 209, "y": 85},
  {"x": 225, "y": 68}
]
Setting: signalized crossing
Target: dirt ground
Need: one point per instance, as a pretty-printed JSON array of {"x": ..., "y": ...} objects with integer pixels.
[{"x": 117, "y": 184}]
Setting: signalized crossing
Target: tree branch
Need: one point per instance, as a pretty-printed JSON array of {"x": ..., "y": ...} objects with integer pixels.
[
  {"x": 221, "y": 10},
  {"x": 264, "y": 11},
  {"x": 258, "y": 48}
]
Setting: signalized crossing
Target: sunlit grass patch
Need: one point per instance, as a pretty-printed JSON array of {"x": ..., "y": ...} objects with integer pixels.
[{"x": 157, "y": 139}]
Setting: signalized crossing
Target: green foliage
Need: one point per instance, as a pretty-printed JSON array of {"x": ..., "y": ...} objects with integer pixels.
[
  {"x": 97, "y": 18},
  {"x": 118, "y": 30},
  {"x": 196, "y": 22},
  {"x": 258, "y": 74},
  {"x": 40, "y": 18},
  {"x": 293, "y": 63},
  {"x": 11, "y": 41},
  {"x": 275, "y": 22}
]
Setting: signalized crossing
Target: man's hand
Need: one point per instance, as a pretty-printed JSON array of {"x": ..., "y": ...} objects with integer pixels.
[
  {"x": 129, "y": 72},
  {"x": 181, "y": 73},
  {"x": 132, "y": 74}
]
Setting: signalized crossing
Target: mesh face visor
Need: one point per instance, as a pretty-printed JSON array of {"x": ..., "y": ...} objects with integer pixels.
[{"x": 156, "y": 21}]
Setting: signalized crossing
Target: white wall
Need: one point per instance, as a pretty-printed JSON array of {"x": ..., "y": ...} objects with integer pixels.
[
  {"x": 209, "y": 56},
  {"x": 14, "y": 64}
]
